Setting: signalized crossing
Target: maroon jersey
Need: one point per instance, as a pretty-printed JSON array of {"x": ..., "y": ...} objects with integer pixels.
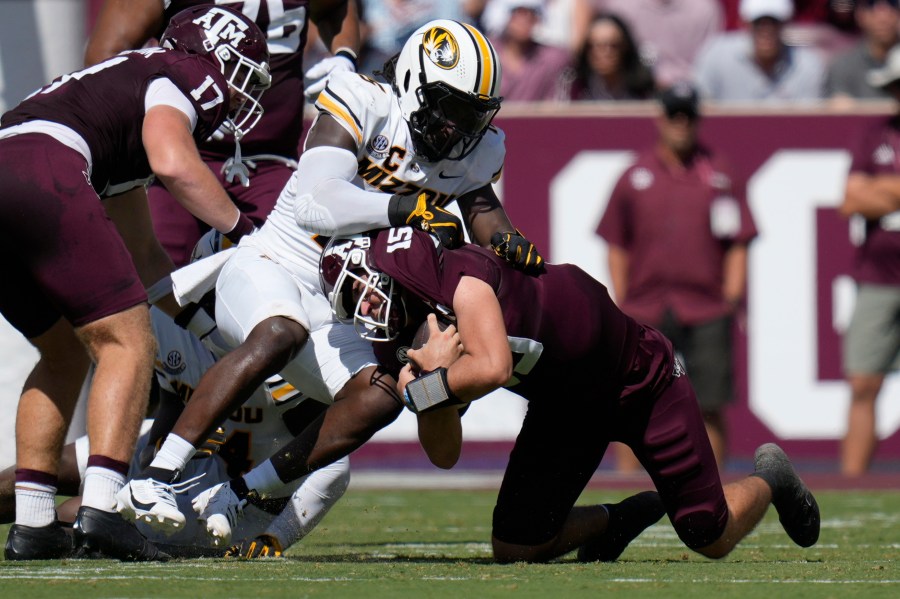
[
  {"x": 285, "y": 24},
  {"x": 617, "y": 381},
  {"x": 676, "y": 226},
  {"x": 878, "y": 257},
  {"x": 561, "y": 324},
  {"x": 104, "y": 104}
]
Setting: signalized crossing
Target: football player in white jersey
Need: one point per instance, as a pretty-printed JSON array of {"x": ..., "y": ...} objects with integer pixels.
[
  {"x": 377, "y": 155},
  {"x": 271, "y": 416}
]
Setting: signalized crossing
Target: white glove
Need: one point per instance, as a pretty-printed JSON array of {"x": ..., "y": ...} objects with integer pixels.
[{"x": 317, "y": 75}]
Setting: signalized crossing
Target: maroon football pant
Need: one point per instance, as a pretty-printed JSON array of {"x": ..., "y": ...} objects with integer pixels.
[
  {"x": 60, "y": 255},
  {"x": 567, "y": 430}
]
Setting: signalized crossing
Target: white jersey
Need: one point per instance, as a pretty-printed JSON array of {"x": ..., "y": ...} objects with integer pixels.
[
  {"x": 253, "y": 433},
  {"x": 257, "y": 428},
  {"x": 370, "y": 112}
]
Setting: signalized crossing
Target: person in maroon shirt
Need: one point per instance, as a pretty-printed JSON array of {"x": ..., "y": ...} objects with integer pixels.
[
  {"x": 680, "y": 199},
  {"x": 267, "y": 156},
  {"x": 591, "y": 375},
  {"x": 872, "y": 340},
  {"x": 74, "y": 159}
]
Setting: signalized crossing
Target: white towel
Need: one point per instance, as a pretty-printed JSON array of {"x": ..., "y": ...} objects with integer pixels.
[{"x": 190, "y": 283}]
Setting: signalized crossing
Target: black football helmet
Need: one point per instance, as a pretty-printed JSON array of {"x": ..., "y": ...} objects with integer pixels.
[{"x": 236, "y": 45}]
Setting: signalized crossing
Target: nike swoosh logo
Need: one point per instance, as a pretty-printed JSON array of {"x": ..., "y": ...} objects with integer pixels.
[
  {"x": 139, "y": 504},
  {"x": 441, "y": 175}
]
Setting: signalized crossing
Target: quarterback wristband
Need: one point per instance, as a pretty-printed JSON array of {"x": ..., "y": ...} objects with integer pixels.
[{"x": 429, "y": 391}]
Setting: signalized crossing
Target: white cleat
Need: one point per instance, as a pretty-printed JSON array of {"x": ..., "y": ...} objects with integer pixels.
[
  {"x": 152, "y": 502},
  {"x": 219, "y": 508}
]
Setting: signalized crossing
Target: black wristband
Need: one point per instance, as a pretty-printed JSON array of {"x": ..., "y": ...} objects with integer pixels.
[
  {"x": 397, "y": 214},
  {"x": 243, "y": 226},
  {"x": 346, "y": 53}
]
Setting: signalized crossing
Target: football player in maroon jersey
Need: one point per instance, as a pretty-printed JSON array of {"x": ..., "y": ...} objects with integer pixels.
[
  {"x": 592, "y": 375},
  {"x": 73, "y": 154},
  {"x": 267, "y": 157}
]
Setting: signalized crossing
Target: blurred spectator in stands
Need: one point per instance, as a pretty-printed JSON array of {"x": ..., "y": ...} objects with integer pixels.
[
  {"x": 609, "y": 66},
  {"x": 678, "y": 226},
  {"x": 474, "y": 10},
  {"x": 387, "y": 24},
  {"x": 756, "y": 64},
  {"x": 847, "y": 75},
  {"x": 564, "y": 24},
  {"x": 531, "y": 70},
  {"x": 834, "y": 14},
  {"x": 669, "y": 33},
  {"x": 872, "y": 340}
]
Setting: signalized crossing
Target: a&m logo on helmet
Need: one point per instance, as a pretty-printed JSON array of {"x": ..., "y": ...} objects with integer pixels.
[
  {"x": 221, "y": 26},
  {"x": 441, "y": 47}
]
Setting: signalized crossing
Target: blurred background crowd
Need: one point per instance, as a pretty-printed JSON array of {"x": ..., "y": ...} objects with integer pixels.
[{"x": 733, "y": 50}]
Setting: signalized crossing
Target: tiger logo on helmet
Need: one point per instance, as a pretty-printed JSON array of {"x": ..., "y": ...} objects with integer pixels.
[{"x": 441, "y": 47}]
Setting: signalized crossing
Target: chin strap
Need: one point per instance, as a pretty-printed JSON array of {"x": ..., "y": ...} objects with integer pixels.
[{"x": 235, "y": 167}]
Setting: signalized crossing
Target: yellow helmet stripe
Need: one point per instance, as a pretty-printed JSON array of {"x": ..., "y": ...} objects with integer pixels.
[
  {"x": 332, "y": 105},
  {"x": 488, "y": 70}
]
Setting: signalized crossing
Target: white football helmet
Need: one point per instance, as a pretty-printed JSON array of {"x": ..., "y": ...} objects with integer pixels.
[
  {"x": 447, "y": 76},
  {"x": 236, "y": 45}
]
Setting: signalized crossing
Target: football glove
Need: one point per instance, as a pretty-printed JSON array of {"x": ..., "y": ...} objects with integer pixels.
[
  {"x": 262, "y": 546},
  {"x": 518, "y": 251},
  {"x": 417, "y": 211},
  {"x": 317, "y": 75}
]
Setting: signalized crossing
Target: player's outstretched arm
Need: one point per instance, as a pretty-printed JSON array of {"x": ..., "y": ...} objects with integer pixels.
[
  {"x": 489, "y": 226},
  {"x": 174, "y": 158},
  {"x": 123, "y": 25}
]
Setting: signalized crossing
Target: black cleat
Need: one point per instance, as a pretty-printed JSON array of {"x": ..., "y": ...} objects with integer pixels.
[
  {"x": 100, "y": 534},
  {"x": 797, "y": 509},
  {"x": 38, "y": 542},
  {"x": 627, "y": 520}
]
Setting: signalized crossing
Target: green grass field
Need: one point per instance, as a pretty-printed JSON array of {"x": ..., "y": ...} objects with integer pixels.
[{"x": 435, "y": 543}]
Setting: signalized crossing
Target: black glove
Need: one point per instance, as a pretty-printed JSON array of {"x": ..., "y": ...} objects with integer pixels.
[
  {"x": 417, "y": 211},
  {"x": 262, "y": 546},
  {"x": 518, "y": 251}
]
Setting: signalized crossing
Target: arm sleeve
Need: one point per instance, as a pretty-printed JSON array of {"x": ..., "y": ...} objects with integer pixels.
[{"x": 328, "y": 202}]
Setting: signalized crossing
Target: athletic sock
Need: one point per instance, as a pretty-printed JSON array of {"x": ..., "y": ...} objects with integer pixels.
[
  {"x": 35, "y": 498},
  {"x": 173, "y": 455},
  {"x": 103, "y": 478}
]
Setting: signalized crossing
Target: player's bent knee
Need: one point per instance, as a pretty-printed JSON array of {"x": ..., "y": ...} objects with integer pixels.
[
  {"x": 507, "y": 553},
  {"x": 278, "y": 337},
  {"x": 700, "y": 530}
]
